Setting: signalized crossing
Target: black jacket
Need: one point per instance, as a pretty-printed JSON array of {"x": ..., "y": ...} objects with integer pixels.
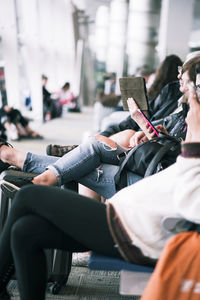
[{"x": 165, "y": 104}]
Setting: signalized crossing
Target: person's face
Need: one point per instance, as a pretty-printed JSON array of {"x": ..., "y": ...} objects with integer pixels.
[
  {"x": 184, "y": 82},
  {"x": 66, "y": 89},
  {"x": 44, "y": 82}
]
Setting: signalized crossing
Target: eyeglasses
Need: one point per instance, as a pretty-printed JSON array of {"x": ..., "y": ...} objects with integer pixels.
[{"x": 180, "y": 70}]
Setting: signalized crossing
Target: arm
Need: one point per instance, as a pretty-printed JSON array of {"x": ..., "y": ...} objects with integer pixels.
[
  {"x": 123, "y": 138},
  {"x": 128, "y": 123},
  {"x": 187, "y": 188}
]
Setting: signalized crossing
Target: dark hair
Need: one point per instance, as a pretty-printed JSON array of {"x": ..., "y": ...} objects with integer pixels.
[
  {"x": 190, "y": 66},
  {"x": 66, "y": 85},
  {"x": 44, "y": 77},
  {"x": 166, "y": 72}
]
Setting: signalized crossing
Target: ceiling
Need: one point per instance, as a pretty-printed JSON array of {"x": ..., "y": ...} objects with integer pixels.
[{"x": 90, "y": 7}]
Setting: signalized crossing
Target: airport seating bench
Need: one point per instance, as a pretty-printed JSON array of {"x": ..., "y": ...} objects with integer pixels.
[{"x": 133, "y": 278}]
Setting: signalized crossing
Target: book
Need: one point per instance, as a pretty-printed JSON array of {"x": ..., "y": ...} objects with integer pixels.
[{"x": 134, "y": 87}]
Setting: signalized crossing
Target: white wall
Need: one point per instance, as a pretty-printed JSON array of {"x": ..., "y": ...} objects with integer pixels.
[
  {"x": 38, "y": 37},
  {"x": 175, "y": 27}
]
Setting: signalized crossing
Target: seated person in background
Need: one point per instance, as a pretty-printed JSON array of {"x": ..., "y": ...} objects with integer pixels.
[
  {"x": 107, "y": 100},
  {"x": 47, "y": 101},
  {"x": 67, "y": 99},
  {"x": 130, "y": 224},
  {"x": 51, "y": 108},
  {"x": 166, "y": 73},
  {"x": 16, "y": 125},
  {"x": 146, "y": 72},
  {"x": 65, "y": 96}
]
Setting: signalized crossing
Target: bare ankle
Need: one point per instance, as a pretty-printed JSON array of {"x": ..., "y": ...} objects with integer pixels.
[{"x": 12, "y": 156}]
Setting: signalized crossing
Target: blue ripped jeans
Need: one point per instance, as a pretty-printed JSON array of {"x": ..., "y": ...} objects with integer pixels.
[{"x": 93, "y": 164}]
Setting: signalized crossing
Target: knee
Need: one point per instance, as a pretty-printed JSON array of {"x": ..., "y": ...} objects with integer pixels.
[
  {"x": 20, "y": 233},
  {"x": 26, "y": 197},
  {"x": 26, "y": 232},
  {"x": 24, "y": 193},
  {"x": 110, "y": 144}
]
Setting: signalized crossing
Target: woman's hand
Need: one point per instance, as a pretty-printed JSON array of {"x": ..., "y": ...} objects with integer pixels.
[
  {"x": 138, "y": 138},
  {"x": 193, "y": 119},
  {"x": 122, "y": 138},
  {"x": 161, "y": 129}
]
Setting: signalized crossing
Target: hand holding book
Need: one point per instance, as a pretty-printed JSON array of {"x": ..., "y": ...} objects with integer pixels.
[{"x": 142, "y": 121}]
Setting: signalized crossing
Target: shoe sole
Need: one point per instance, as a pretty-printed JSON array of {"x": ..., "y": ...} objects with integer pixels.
[{"x": 48, "y": 150}]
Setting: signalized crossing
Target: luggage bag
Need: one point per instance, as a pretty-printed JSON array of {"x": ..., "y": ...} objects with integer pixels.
[{"x": 58, "y": 261}]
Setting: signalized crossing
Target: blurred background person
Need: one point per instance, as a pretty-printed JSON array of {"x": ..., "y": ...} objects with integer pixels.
[
  {"x": 51, "y": 106},
  {"x": 67, "y": 99},
  {"x": 163, "y": 94},
  {"x": 15, "y": 125}
]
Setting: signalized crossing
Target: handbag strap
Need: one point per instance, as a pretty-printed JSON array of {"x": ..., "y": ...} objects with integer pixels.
[
  {"x": 154, "y": 162},
  {"x": 159, "y": 155},
  {"x": 124, "y": 162}
]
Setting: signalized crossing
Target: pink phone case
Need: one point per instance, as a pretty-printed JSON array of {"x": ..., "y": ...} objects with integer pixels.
[{"x": 148, "y": 122}]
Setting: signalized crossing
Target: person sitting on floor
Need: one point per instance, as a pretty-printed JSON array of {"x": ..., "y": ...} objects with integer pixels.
[
  {"x": 130, "y": 224},
  {"x": 67, "y": 99},
  {"x": 16, "y": 125}
]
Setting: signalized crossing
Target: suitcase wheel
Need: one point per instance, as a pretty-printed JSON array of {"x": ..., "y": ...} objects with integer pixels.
[{"x": 55, "y": 288}]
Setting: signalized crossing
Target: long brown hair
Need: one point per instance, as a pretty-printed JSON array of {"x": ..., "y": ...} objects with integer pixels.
[
  {"x": 166, "y": 72},
  {"x": 190, "y": 66}
]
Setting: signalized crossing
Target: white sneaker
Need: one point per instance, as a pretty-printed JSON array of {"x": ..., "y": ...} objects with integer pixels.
[{"x": 12, "y": 133}]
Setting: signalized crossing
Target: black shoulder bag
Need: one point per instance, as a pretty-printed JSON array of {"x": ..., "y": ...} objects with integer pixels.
[{"x": 148, "y": 158}]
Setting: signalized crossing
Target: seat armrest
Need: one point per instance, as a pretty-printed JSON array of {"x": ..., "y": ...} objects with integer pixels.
[
  {"x": 179, "y": 224},
  {"x": 17, "y": 177}
]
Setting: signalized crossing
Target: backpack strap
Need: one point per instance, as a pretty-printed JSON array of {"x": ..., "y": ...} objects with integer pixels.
[
  {"x": 120, "y": 176},
  {"x": 117, "y": 177}
]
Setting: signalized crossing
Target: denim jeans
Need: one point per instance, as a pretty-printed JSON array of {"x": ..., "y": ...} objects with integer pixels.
[{"x": 93, "y": 164}]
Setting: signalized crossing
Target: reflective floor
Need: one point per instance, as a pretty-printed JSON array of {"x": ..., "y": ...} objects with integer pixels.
[{"x": 67, "y": 130}]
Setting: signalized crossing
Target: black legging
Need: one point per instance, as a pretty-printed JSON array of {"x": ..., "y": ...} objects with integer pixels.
[
  {"x": 49, "y": 217},
  {"x": 15, "y": 117}
]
